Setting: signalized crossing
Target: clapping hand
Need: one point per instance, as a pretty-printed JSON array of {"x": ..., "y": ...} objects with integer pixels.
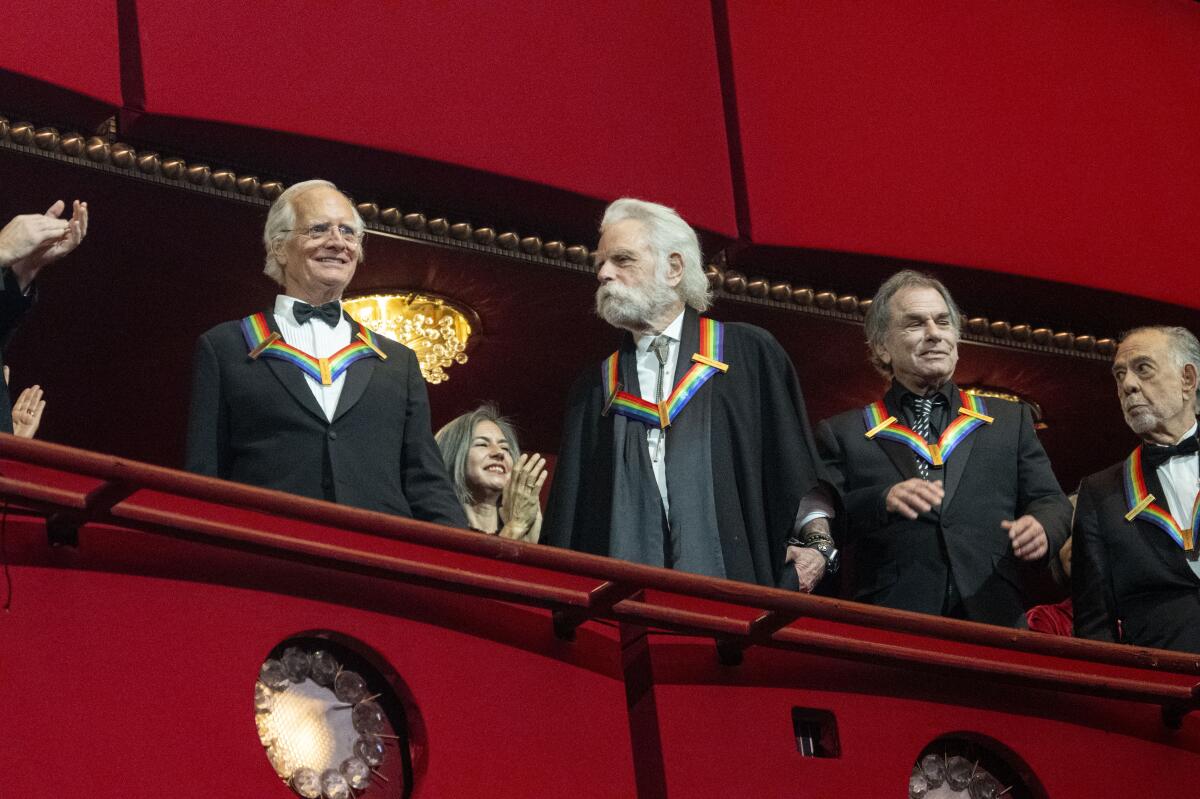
[
  {"x": 27, "y": 412},
  {"x": 519, "y": 504},
  {"x": 30, "y": 241}
]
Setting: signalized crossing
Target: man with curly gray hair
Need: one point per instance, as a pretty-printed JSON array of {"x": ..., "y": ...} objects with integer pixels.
[
  {"x": 302, "y": 398},
  {"x": 947, "y": 498},
  {"x": 688, "y": 447}
]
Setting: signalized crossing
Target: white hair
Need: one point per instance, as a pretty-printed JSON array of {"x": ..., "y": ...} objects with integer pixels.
[
  {"x": 667, "y": 234},
  {"x": 1182, "y": 345},
  {"x": 282, "y": 218}
]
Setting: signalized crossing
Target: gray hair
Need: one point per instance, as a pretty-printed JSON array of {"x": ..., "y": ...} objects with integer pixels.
[
  {"x": 1183, "y": 346},
  {"x": 282, "y": 218},
  {"x": 879, "y": 315},
  {"x": 454, "y": 440},
  {"x": 667, "y": 233}
]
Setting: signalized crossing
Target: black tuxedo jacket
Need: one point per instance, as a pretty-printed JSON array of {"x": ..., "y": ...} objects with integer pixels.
[
  {"x": 257, "y": 422},
  {"x": 1131, "y": 582},
  {"x": 13, "y": 305},
  {"x": 999, "y": 472}
]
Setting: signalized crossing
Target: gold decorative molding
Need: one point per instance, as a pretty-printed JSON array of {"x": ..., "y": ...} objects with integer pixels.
[
  {"x": 851, "y": 308},
  {"x": 103, "y": 151}
]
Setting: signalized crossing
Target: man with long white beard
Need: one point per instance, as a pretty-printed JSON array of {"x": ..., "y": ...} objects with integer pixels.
[
  {"x": 1134, "y": 569},
  {"x": 689, "y": 447}
]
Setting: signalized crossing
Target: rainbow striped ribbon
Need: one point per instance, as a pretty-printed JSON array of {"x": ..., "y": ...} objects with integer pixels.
[
  {"x": 1142, "y": 505},
  {"x": 971, "y": 414},
  {"x": 707, "y": 363},
  {"x": 266, "y": 343}
]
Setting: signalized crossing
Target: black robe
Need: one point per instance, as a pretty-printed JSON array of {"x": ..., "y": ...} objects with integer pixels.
[{"x": 741, "y": 450}]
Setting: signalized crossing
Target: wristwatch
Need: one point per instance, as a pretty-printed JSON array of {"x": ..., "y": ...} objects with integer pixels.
[{"x": 829, "y": 552}]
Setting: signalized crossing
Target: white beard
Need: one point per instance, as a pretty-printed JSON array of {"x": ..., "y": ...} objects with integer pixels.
[
  {"x": 1141, "y": 420},
  {"x": 633, "y": 309}
]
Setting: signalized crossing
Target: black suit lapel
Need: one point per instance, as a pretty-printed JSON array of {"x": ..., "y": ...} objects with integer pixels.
[
  {"x": 294, "y": 380},
  {"x": 689, "y": 344},
  {"x": 357, "y": 378},
  {"x": 957, "y": 464},
  {"x": 901, "y": 456}
]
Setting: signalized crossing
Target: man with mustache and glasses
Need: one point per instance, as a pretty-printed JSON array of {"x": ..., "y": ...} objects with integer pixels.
[
  {"x": 947, "y": 498},
  {"x": 689, "y": 447},
  {"x": 303, "y": 399},
  {"x": 1135, "y": 575}
]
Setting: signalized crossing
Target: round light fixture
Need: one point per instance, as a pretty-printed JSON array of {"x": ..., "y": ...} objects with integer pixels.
[
  {"x": 437, "y": 329},
  {"x": 318, "y": 723},
  {"x": 969, "y": 766}
]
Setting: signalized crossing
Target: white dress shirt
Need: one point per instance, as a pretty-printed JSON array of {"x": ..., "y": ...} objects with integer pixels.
[
  {"x": 647, "y": 363},
  {"x": 1180, "y": 479},
  {"x": 319, "y": 340}
]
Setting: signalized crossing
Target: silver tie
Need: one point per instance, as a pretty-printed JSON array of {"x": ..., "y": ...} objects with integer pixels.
[{"x": 660, "y": 347}]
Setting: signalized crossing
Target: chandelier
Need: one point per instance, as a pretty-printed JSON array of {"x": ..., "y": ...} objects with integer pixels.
[{"x": 435, "y": 328}]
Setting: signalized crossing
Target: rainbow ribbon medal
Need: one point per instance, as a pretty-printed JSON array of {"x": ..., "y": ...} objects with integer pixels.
[
  {"x": 971, "y": 414},
  {"x": 1142, "y": 505},
  {"x": 707, "y": 363},
  {"x": 266, "y": 343}
]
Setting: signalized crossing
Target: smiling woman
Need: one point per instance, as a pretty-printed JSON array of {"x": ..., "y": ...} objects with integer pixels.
[{"x": 498, "y": 486}]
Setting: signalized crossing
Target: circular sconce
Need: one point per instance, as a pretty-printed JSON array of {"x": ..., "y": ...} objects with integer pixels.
[
  {"x": 321, "y": 727},
  {"x": 437, "y": 329},
  {"x": 969, "y": 766}
]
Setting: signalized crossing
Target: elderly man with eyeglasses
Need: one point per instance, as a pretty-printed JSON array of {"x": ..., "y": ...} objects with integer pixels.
[{"x": 303, "y": 399}]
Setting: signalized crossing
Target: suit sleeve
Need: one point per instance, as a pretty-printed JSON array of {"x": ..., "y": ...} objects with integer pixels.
[
  {"x": 862, "y": 509},
  {"x": 13, "y": 304},
  {"x": 558, "y": 527},
  {"x": 1091, "y": 579},
  {"x": 423, "y": 473},
  {"x": 208, "y": 419},
  {"x": 1038, "y": 491},
  {"x": 792, "y": 467}
]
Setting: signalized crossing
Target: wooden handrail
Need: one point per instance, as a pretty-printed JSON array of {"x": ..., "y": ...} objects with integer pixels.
[{"x": 779, "y": 608}]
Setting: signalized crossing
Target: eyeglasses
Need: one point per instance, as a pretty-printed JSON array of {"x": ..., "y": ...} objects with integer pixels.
[{"x": 324, "y": 230}]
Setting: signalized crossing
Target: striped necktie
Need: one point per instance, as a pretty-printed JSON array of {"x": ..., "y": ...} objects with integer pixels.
[{"x": 924, "y": 408}]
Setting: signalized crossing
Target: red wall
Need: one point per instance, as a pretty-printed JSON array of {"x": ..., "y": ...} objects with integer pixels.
[
  {"x": 129, "y": 665},
  {"x": 1054, "y": 140},
  {"x": 598, "y": 98}
]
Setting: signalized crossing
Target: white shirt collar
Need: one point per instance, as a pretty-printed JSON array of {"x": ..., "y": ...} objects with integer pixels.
[
  {"x": 673, "y": 331},
  {"x": 1191, "y": 432}
]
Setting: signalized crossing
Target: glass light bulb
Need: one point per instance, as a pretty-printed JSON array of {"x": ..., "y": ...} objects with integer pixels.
[
  {"x": 334, "y": 785},
  {"x": 296, "y": 663},
  {"x": 273, "y": 675},
  {"x": 350, "y": 687},
  {"x": 370, "y": 749},
  {"x": 368, "y": 717},
  {"x": 307, "y": 783},
  {"x": 357, "y": 772}
]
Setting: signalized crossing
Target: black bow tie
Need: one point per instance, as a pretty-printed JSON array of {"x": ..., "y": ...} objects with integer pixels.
[
  {"x": 329, "y": 313},
  {"x": 1154, "y": 456}
]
